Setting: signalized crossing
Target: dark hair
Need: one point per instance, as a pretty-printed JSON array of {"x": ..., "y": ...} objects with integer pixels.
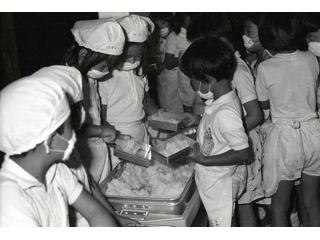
[
  {"x": 253, "y": 17},
  {"x": 210, "y": 25},
  {"x": 209, "y": 56},
  {"x": 91, "y": 59},
  {"x": 178, "y": 21},
  {"x": 166, "y": 16},
  {"x": 280, "y": 32},
  {"x": 310, "y": 22}
]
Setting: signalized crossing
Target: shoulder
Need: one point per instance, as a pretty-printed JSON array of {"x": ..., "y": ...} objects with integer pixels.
[{"x": 172, "y": 37}]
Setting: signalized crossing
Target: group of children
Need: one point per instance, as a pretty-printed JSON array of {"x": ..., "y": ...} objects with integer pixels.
[
  {"x": 254, "y": 105},
  {"x": 258, "y": 107}
]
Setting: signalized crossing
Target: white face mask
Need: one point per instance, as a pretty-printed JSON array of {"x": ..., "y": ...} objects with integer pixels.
[
  {"x": 314, "y": 47},
  {"x": 247, "y": 42},
  {"x": 130, "y": 66},
  {"x": 67, "y": 152},
  {"x": 164, "y": 32},
  {"x": 206, "y": 96},
  {"x": 96, "y": 74}
]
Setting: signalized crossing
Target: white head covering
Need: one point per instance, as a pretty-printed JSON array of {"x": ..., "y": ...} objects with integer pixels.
[
  {"x": 102, "y": 35},
  {"x": 30, "y": 110},
  {"x": 68, "y": 78},
  {"x": 136, "y": 27}
]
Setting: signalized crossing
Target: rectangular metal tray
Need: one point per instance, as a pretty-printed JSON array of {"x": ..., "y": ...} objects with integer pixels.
[
  {"x": 146, "y": 162},
  {"x": 164, "y": 125},
  {"x": 138, "y": 206},
  {"x": 174, "y": 158}
]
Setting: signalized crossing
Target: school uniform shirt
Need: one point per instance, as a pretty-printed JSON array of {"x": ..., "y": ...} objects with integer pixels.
[
  {"x": 123, "y": 94},
  {"x": 25, "y": 202},
  {"x": 219, "y": 131},
  {"x": 289, "y": 82}
]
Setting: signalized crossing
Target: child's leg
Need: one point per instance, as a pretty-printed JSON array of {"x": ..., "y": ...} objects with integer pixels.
[
  {"x": 280, "y": 204},
  {"x": 303, "y": 218},
  {"x": 310, "y": 192},
  {"x": 247, "y": 215}
]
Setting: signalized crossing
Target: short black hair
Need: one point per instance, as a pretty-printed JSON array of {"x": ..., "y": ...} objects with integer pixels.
[
  {"x": 210, "y": 25},
  {"x": 209, "y": 56},
  {"x": 253, "y": 17},
  {"x": 310, "y": 22},
  {"x": 92, "y": 58},
  {"x": 281, "y": 32},
  {"x": 166, "y": 16}
]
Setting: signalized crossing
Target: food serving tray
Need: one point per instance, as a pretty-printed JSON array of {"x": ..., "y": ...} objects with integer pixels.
[
  {"x": 140, "y": 207},
  {"x": 162, "y": 124},
  {"x": 142, "y": 161}
]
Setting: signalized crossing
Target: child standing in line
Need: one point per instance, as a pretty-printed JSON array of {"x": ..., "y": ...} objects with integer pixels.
[
  {"x": 218, "y": 25},
  {"x": 221, "y": 136},
  {"x": 287, "y": 83}
]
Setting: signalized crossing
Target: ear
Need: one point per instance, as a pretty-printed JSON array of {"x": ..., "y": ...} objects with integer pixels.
[
  {"x": 82, "y": 53},
  {"x": 211, "y": 80}
]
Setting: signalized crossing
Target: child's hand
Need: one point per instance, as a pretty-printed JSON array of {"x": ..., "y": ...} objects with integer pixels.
[
  {"x": 127, "y": 222},
  {"x": 108, "y": 133},
  {"x": 191, "y": 120},
  {"x": 195, "y": 154}
]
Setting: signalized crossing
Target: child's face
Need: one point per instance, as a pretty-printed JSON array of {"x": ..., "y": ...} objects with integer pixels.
[
  {"x": 313, "y": 37},
  {"x": 133, "y": 52},
  {"x": 251, "y": 31},
  {"x": 162, "y": 23}
]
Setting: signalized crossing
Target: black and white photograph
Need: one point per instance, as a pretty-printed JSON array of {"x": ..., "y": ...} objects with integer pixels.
[{"x": 159, "y": 119}]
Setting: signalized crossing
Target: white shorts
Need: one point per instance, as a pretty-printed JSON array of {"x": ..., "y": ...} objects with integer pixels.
[{"x": 291, "y": 148}]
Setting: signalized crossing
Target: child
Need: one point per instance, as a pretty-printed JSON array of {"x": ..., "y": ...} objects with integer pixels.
[
  {"x": 221, "y": 136},
  {"x": 35, "y": 189},
  {"x": 218, "y": 25},
  {"x": 177, "y": 95},
  {"x": 99, "y": 44},
  {"x": 286, "y": 83},
  {"x": 124, "y": 97}
]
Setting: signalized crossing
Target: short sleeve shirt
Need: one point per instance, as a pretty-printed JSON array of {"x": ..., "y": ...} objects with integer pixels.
[
  {"x": 289, "y": 82},
  {"x": 25, "y": 202}
]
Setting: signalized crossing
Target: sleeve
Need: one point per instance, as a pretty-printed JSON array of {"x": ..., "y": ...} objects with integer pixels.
[
  {"x": 69, "y": 182},
  {"x": 232, "y": 130},
  {"x": 146, "y": 84},
  {"x": 261, "y": 86},
  {"x": 171, "y": 44},
  {"x": 243, "y": 82},
  {"x": 16, "y": 210},
  {"x": 103, "y": 92}
]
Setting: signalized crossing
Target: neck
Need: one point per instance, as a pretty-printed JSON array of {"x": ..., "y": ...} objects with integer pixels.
[
  {"x": 36, "y": 164},
  {"x": 222, "y": 87}
]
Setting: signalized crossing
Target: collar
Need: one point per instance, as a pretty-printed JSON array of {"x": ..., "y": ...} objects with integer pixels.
[
  {"x": 286, "y": 55},
  {"x": 22, "y": 177},
  {"x": 212, "y": 105}
]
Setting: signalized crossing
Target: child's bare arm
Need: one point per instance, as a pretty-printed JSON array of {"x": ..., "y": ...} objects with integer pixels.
[
  {"x": 228, "y": 158},
  {"x": 254, "y": 115}
]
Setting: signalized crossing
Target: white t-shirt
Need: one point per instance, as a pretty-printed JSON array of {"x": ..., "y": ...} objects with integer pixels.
[
  {"x": 25, "y": 202},
  {"x": 123, "y": 95},
  {"x": 289, "y": 82},
  {"x": 243, "y": 82},
  {"x": 177, "y": 43},
  {"x": 221, "y": 128}
]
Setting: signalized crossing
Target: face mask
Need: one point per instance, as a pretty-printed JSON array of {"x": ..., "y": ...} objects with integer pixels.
[
  {"x": 206, "y": 96},
  {"x": 164, "y": 32},
  {"x": 269, "y": 53},
  {"x": 67, "y": 152},
  {"x": 130, "y": 66},
  {"x": 247, "y": 42},
  {"x": 95, "y": 74},
  {"x": 314, "y": 47}
]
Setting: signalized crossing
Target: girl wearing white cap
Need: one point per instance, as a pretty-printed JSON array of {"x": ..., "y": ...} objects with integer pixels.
[
  {"x": 35, "y": 189},
  {"x": 100, "y": 43},
  {"x": 125, "y": 97}
]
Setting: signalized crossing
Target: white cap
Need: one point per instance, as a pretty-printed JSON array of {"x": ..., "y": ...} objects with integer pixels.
[
  {"x": 31, "y": 109},
  {"x": 102, "y": 35},
  {"x": 68, "y": 78},
  {"x": 137, "y": 28}
]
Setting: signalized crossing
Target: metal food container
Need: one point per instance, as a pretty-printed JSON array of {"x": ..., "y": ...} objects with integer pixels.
[
  {"x": 145, "y": 161},
  {"x": 140, "y": 208},
  {"x": 155, "y": 123},
  {"x": 174, "y": 158}
]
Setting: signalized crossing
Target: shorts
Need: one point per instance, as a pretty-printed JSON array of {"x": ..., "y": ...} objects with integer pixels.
[
  {"x": 291, "y": 148},
  {"x": 254, "y": 189}
]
